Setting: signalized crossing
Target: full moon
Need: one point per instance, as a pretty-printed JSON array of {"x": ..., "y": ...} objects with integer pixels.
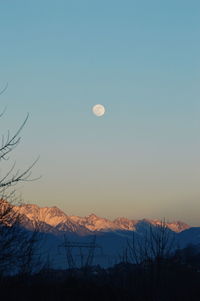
[{"x": 98, "y": 110}]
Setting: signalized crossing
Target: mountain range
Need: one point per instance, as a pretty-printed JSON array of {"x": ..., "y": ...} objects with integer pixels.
[{"x": 52, "y": 219}]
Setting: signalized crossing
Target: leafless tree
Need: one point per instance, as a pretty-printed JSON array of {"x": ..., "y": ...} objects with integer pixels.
[
  {"x": 147, "y": 258},
  {"x": 19, "y": 248},
  {"x": 153, "y": 246},
  {"x": 30, "y": 256},
  {"x": 14, "y": 242}
]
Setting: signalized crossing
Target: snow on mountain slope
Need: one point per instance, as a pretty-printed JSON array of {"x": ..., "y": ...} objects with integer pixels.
[
  {"x": 125, "y": 223},
  {"x": 50, "y": 215},
  {"x": 48, "y": 219},
  {"x": 176, "y": 226},
  {"x": 60, "y": 221},
  {"x": 95, "y": 223}
]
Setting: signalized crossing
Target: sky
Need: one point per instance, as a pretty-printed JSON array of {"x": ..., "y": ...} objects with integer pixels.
[{"x": 141, "y": 60}]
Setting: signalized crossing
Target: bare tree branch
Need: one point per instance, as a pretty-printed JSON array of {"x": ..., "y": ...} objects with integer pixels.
[
  {"x": 4, "y": 89},
  {"x": 10, "y": 142}
]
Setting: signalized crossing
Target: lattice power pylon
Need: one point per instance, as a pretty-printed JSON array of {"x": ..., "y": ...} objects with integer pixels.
[{"x": 90, "y": 246}]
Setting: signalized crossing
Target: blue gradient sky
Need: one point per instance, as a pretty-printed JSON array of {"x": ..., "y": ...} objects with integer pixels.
[{"x": 140, "y": 59}]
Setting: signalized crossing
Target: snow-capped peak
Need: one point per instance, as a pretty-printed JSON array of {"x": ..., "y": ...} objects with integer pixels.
[{"x": 49, "y": 215}]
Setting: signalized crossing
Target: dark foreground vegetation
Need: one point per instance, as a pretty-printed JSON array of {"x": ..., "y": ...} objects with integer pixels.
[{"x": 157, "y": 281}]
